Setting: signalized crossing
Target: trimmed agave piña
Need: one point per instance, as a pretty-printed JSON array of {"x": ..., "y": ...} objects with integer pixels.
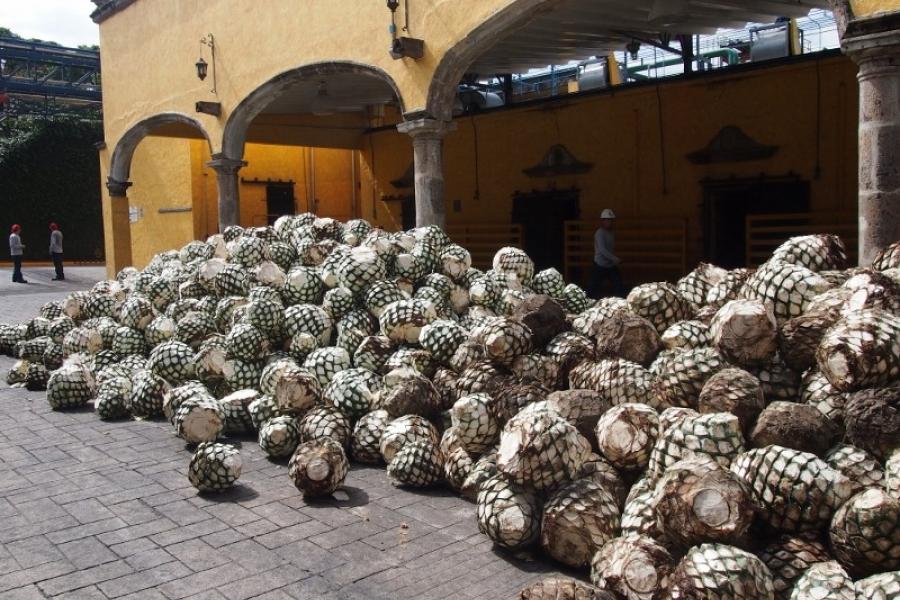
[
  {"x": 884, "y": 586},
  {"x": 697, "y": 500},
  {"x": 579, "y": 518},
  {"x": 626, "y": 435},
  {"x": 508, "y": 513},
  {"x": 824, "y": 580},
  {"x": 744, "y": 332},
  {"x": 541, "y": 450},
  {"x": 633, "y": 567},
  {"x": 417, "y": 464},
  {"x": 214, "y": 467},
  {"x": 865, "y": 533},
  {"x": 788, "y": 556},
  {"x": 793, "y": 491},
  {"x": 861, "y": 468},
  {"x": 872, "y": 420},
  {"x": 712, "y": 571},
  {"x": 563, "y": 588},
  {"x": 660, "y": 304},
  {"x": 318, "y": 467},
  {"x": 279, "y": 436},
  {"x": 793, "y": 425},
  {"x": 733, "y": 391},
  {"x": 861, "y": 351}
]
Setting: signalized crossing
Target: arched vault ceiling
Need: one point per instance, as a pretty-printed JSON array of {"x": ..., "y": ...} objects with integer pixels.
[{"x": 578, "y": 29}]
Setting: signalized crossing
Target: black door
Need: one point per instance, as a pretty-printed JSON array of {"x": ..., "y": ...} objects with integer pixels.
[
  {"x": 279, "y": 201},
  {"x": 541, "y": 215},
  {"x": 727, "y": 205}
]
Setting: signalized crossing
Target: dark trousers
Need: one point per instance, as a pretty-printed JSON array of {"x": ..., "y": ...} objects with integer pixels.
[
  {"x": 57, "y": 263},
  {"x": 606, "y": 281},
  {"x": 17, "y": 268}
]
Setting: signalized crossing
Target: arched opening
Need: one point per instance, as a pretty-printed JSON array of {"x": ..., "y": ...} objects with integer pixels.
[
  {"x": 156, "y": 163},
  {"x": 628, "y": 149},
  {"x": 301, "y": 137}
]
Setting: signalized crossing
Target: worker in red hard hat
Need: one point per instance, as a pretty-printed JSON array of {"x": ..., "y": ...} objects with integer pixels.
[
  {"x": 605, "y": 269},
  {"x": 16, "y": 248},
  {"x": 56, "y": 251}
]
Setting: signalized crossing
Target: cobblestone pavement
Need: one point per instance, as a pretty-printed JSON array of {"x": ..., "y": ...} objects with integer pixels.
[{"x": 94, "y": 510}]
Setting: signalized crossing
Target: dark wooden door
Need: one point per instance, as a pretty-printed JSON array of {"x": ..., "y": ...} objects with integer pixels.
[
  {"x": 727, "y": 205},
  {"x": 541, "y": 215},
  {"x": 279, "y": 201}
]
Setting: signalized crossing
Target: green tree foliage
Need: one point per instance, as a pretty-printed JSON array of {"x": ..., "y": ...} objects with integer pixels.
[{"x": 50, "y": 172}]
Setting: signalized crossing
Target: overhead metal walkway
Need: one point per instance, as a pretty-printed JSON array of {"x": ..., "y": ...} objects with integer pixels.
[{"x": 39, "y": 69}]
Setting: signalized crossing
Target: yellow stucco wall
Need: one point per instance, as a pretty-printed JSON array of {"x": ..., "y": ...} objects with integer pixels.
[
  {"x": 866, "y": 8},
  {"x": 161, "y": 171},
  {"x": 253, "y": 45},
  {"x": 620, "y": 134}
]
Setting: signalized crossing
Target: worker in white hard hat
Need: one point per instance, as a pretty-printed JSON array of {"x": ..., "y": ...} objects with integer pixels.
[{"x": 606, "y": 280}]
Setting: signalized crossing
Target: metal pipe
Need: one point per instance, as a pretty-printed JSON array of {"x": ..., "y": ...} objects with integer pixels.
[{"x": 731, "y": 55}]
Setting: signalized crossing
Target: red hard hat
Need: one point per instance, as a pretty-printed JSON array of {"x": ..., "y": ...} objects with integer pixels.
[{"x": 16, "y": 228}]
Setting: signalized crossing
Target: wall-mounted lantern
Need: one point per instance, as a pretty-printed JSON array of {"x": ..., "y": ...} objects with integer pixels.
[{"x": 202, "y": 66}]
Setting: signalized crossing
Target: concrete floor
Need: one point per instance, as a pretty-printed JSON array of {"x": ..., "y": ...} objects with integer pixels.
[{"x": 95, "y": 510}]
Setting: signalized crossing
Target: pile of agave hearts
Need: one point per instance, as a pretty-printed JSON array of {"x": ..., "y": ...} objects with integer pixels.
[{"x": 732, "y": 435}]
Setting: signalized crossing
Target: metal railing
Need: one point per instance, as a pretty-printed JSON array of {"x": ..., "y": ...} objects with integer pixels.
[
  {"x": 650, "y": 248},
  {"x": 765, "y": 232},
  {"x": 483, "y": 240}
]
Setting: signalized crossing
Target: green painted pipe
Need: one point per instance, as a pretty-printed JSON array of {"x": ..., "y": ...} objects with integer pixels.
[{"x": 731, "y": 55}]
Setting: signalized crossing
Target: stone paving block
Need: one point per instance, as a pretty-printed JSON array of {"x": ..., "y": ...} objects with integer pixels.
[
  {"x": 252, "y": 556},
  {"x": 309, "y": 557},
  {"x": 84, "y": 577},
  {"x": 301, "y": 531},
  {"x": 261, "y": 582},
  {"x": 196, "y": 553},
  {"x": 203, "y": 581},
  {"x": 28, "y": 592},
  {"x": 311, "y": 588},
  {"x": 257, "y": 528},
  {"x": 280, "y": 514},
  {"x": 87, "y": 552},
  {"x": 134, "y": 512},
  {"x": 82, "y": 531},
  {"x": 223, "y": 538},
  {"x": 148, "y": 559},
  {"x": 143, "y": 582},
  {"x": 85, "y": 593},
  {"x": 148, "y": 594},
  {"x": 34, "y": 551},
  {"x": 132, "y": 547},
  {"x": 183, "y": 512},
  {"x": 173, "y": 536},
  {"x": 345, "y": 535},
  {"x": 88, "y": 511},
  {"x": 134, "y": 532}
]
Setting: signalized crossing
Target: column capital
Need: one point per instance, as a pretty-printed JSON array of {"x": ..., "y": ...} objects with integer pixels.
[
  {"x": 222, "y": 163},
  {"x": 872, "y": 37},
  {"x": 117, "y": 189},
  {"x": 426, "y": 128}
]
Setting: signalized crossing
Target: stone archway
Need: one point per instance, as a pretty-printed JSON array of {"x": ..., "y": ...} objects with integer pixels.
[
  {"x": 229, "y": 161},
  {"x": 235, "y": 133},
  {"x": 116, "y": 214},
  {"x": 120, "y": 162},
  {"x": 453, "y": 65}
]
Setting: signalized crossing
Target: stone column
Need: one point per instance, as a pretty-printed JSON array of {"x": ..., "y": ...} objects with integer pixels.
[
  {"x": 428, "y": 136},
  {"x": 120, "y": 219},
  {"x": 877, "y": 53},
  {"x": 229, "y": 189}
]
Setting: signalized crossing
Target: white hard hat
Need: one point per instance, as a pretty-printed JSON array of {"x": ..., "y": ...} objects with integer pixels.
[{"x": 607, "y": 214}]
